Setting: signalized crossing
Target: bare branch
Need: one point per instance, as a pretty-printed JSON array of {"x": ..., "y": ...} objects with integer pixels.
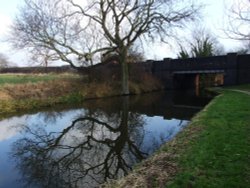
[{"x": 239, "y": 21}]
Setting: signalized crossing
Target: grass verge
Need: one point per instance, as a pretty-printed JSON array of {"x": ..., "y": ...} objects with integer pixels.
[
  {"x": 32, "y": 78},
  {"x": 219, "y": 156},
  {"x": 213, "y": 151}
]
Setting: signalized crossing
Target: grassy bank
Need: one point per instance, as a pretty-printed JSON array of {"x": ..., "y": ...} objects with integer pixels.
[
  {"x": 213, "y": 151},
  {"x": 31, "y": 92},
  {"x": 22, "y": 92}
]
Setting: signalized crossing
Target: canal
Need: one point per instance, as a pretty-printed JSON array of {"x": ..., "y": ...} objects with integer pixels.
[{"x": 86, "y": 145}]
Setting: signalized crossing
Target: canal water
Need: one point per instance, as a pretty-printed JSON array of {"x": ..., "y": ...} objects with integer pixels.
[{"x": 98, "y": 140}]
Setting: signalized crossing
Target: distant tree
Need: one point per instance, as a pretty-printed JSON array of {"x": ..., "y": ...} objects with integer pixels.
[
  {"x": 245, "y": 49},
  {"x": 238, "y": 25},
  {"x": 4, "y": 62},
  {"x": 134, "y": 56},
  {"x": 76, "y": 31},
  {"x": 43, "y": 58},
  {"x": 202, "y": 44},
  {"x": 183, "y": 54},
  {"x": 242, "y": 51}
]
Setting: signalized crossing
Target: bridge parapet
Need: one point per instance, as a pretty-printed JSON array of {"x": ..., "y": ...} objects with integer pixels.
[{"x": 209, "y": 63}]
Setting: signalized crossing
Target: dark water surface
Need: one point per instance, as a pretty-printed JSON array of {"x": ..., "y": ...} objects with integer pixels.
[{"x": 87, "y": 145}]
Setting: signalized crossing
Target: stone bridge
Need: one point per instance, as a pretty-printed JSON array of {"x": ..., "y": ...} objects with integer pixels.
[{"x": 230, "y": 69}]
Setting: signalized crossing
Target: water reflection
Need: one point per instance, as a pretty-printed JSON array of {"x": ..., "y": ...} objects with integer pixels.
[
  {"x": 94, "y": 148},
  {"x": 102, "y": 141}
]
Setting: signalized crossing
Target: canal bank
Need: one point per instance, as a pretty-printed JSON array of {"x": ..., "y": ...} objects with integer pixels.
[
  {"x": 213, "y": 151},
  {"x": 29, "y": 92}
]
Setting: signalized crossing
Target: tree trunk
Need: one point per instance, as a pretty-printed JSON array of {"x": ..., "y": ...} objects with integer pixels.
[{"x": 124, "y": 73}]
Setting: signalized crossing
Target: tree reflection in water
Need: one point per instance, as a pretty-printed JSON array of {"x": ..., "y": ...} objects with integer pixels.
[{"x": 94, "y": 148}]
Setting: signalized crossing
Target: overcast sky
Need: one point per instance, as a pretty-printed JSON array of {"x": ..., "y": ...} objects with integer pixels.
[{"x": 214, "y": 16}]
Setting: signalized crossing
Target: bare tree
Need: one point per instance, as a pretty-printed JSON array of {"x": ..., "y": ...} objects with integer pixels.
[
  {"x": 238, "y": 26},
  {"x": 79, "y": 31}
]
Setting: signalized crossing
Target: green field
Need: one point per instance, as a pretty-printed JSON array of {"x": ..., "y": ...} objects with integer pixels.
[{"x": 31, "y": 78}]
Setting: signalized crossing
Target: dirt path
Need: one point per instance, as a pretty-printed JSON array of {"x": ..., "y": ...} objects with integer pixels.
[{"x": 241, "y": 91}]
